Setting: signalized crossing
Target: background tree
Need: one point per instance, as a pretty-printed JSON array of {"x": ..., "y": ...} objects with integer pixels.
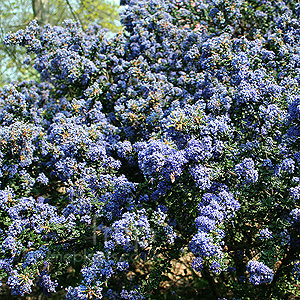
[{"x": 16, "y": 15}]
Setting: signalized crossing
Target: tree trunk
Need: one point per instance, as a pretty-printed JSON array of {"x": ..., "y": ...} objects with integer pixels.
[{"x": 41, "y": 11}]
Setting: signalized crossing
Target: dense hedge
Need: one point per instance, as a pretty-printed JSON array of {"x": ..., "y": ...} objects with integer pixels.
[{"x": 178, "y": 136}]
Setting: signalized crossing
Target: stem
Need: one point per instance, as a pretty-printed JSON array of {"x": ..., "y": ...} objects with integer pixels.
[
  {"x": 211, "y": 282},
  {"x": 242, "y": 246},
  {"x": 288, "y": 257},
  {"x": 76, "y": 17}
]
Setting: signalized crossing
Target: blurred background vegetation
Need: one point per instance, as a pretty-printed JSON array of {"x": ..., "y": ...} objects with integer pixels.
[{"x": 16, "y": 15}]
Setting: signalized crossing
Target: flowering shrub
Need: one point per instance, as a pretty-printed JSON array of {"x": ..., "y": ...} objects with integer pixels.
[{"x": 177, "y": 137}]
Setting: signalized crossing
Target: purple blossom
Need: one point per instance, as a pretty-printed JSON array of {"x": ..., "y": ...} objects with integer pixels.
[
  {"x": 295, "y": 192},
  {"x": 296, "y": 270},
  {"x": 202, "y": 245},
  {"x": 47, "y": 284},
  {"x": 295, "y": 214},
  {"x": 259, "y": 273},
  {"x": 288, "y": 165},
  {"x": 19, "y": 284},
  {"x": 42, "y": 179},
  {"x": 197, "y": 264},
  {"x": 265, "y": 234},
  {"x": 246, "y": 171},
  {"x": 201, "y": 176},
  {"x": 294, "y": 109}
]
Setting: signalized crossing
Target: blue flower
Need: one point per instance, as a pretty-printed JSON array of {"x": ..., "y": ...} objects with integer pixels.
[
  {"x": 246, "y": 171},
  {"x": 201, "y": 175},
  {"x": 259, "y": 272},
  {"x": 265, "y": 234}
]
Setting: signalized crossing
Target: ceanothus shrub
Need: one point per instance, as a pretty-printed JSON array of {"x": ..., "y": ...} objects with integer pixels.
[{"x": 178, "y": 138}]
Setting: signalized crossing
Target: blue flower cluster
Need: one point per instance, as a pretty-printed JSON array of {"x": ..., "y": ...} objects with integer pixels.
[
  {"x": 265, "y": 234},
  {"x": 180, "y": 133},
  {"x": 214, "y": 210},
  {"x": 296, "y": 270},
  {"x": 132, "y": 228},
  {"x": 259, "y": 272},
  {"x": 246, "y": 171}
]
